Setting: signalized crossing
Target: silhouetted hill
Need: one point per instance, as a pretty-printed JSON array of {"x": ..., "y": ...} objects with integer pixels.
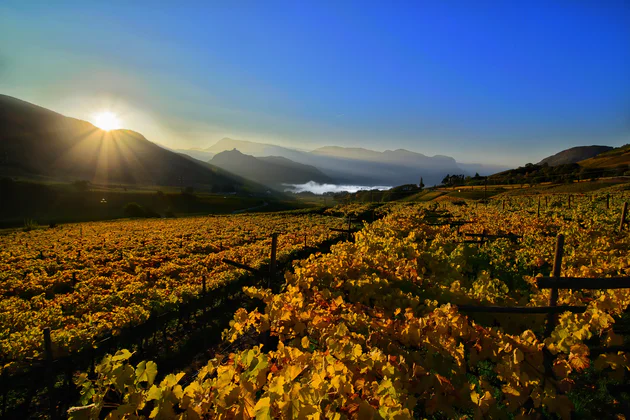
[
  {"x": 253, "y": 148},
  {"x": 38, "y": 143},
  {"x": 271, "y": 170},
  {"x": 574, "y": 155}
]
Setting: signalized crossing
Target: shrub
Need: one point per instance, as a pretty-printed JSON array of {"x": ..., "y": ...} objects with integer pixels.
[
  {"x": 149, "y": 212},
  {"x": 30, "y": 224},
  {"x": 136, "y": 210}
]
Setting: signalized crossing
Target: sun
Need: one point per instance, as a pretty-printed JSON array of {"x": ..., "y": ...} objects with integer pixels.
[{"x": 106, "y": 120}]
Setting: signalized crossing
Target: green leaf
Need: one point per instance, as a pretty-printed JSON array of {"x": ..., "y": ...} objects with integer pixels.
[
  {"x": 122, "y": 376},
  {"x": 121, "y": 355},
  {"x": 146, "y": 372},
  {"x": 262, "y": 410},
  {"x": 155, "y": 393},
  {"x": 171, "y": 380}
]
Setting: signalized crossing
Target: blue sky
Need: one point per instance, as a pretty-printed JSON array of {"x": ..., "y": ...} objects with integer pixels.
[{"x": 491, "y": 82}]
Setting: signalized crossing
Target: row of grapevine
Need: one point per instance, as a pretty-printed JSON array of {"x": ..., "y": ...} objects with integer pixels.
[
  {"x": 373, "y": 329},
  {"x": 83, "y": 281}
]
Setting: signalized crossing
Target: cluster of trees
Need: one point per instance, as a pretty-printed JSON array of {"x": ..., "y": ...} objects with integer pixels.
[
  {"x": 454, "y": 180},
  {"x": 536, "y": 174}
]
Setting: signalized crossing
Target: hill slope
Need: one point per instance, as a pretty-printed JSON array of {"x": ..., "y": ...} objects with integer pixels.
[
  {"x": 37, "y": 142},
  {"x": 574, "y": 155},
  {"x": 612, "y": 159},
  {"x": 272, "y": 170}
]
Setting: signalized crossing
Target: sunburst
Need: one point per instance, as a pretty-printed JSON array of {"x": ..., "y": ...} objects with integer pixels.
[{"x": 107, "y": 121}]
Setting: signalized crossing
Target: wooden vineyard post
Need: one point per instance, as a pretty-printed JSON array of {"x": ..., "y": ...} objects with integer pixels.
[
  {"x": 349, "y": 226},
  {"x": 623, "y": 215},
  {"x": 485, "y": 190},
  {"x": 557, "y": 267},
  {"x": 50, "y": 373},
  {"x": 502, "y": 204},
  {"x": 272, "y": 264},
  {"x": 546, "y": 202},
  {"x": 204, "y": 294},
  {"x": 305, "y": 240},
  {"x": 538, "y": 212},
  {"x": 569, "y": 201},
  {"x": 607, "y": 201}
]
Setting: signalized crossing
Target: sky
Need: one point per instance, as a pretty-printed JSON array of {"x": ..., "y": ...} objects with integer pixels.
[{"x": 497, "y": 82}]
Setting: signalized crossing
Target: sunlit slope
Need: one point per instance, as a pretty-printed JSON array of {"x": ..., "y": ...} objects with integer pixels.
[
  {"x": 574, "y": 155},
  {"x": 611, "y": 159},
  {"x": 35, "y": 141}
]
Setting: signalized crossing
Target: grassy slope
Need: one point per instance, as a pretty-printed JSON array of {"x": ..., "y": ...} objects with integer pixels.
[
  {"x": 426, "y": 195},
  {"x": 611, "y": 159},
  {"x": 574, "y": 188},
  {"x": 477, "y": 192}
]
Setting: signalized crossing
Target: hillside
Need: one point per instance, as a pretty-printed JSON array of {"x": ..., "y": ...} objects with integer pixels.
[
  {"x": 38, "y": 143},
  {"x": 574, "y": 155},
  {"x": 614, "y": 158},
  {"x": 272, "y": 170}
]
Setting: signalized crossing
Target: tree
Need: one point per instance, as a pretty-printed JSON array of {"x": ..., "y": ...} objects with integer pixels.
[
  {"x": 421, "y": 184},
  {"x": 134, "y": 210}
]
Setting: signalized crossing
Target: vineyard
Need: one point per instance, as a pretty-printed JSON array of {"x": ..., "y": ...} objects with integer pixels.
[
  {"x": 87, "y": 280},
  {"x": 372, "y": 329}
]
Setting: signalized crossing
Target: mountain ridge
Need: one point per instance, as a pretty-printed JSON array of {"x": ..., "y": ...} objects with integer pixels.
[{"x": 273, "y": 171}]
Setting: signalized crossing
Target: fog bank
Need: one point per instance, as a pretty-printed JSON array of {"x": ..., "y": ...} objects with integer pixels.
[{"x": 317, "y": 188}]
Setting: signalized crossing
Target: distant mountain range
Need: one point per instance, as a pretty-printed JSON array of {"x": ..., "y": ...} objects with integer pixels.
[
  {"x": 38, "y": 143},
  {"x": 358, "y": 166},
  {"x": 574, "y": 155},
  {"x": 273, "y": 171}
]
